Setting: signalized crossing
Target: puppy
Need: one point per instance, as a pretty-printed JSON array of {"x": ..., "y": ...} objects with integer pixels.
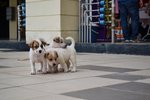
[
  {"x": 62, "y": 56},
  {"x": 36, "y": 55},
  {"x": 52, "y": 63},
  {"x": 58, "y": 42}
]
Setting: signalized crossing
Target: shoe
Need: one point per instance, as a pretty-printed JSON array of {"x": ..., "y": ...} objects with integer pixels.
[
  {"x": 126, "y": 41},
  {"x": 134, "y": 41},
  {"x": 131, "y": 41}
]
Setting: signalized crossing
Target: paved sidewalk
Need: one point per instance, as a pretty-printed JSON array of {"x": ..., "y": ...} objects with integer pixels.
[{"x": 99, "y": 77}]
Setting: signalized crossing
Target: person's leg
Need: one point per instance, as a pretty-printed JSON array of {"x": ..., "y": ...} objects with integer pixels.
[
  {"x": 124, "y": 23},
  {"x": 134, "y": 14}
]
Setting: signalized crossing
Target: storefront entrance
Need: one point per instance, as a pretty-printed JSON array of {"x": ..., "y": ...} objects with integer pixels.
[{"x": 4, "y": 24}]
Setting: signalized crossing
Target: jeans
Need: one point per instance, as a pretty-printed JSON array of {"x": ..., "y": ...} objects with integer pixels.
[{"x": 129, "y": 9}]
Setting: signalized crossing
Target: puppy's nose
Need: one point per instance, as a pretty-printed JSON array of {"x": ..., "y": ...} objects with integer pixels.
[
  {"x": 54, "y": 64},
  {"x": 40, "y": 51}
]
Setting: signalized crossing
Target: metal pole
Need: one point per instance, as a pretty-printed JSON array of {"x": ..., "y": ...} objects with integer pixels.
[
  {"x": 90, "y": 32},
  {"x": 19, "y": 36},
  {"x": 84, "y": 26},
  {"x": 113, "y": 24},
  {"x": 82, "y": 21},
  {"x": 87, "y": 29},
  {"x": 79, "y": 21}
]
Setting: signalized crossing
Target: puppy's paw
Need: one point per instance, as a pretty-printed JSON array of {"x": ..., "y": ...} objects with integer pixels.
[
  {"x": 61, "y": 70},
  {"x": 49, "y": 71},
  {"x": 45, "y": 72},
  {"x": 66, "y": 71},
  {"x": 73, "y": 70},
  {"x": 55, "y": 71},
  {"x": 39, "y": 71},
  {"x": 33, "y": 73}
]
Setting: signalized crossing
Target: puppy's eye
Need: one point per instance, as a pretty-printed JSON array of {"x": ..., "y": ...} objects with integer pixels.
[
  {"x": 55, "y": 59},
  {"x": 50, "y": 59},
  {"x": 61, "y": 41},
  {"x": 41, "y": 46}
]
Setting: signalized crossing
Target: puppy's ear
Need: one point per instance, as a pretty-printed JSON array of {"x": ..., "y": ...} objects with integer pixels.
[
  {"x": 56, "y": 39},
  {"x": 44, "y": 43},
  {"x": 31, "y": 44},
  {"x": 55, "y": 52},
  {"x": 46, "y": 55}
]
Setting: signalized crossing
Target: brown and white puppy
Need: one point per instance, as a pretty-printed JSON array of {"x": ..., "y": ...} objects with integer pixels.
[
  {"x": 52, "y": 64},
  {"x": 58, "y": 42},
  {"x": 36, "y": 55},
  {"x": 64, "y": 56}
]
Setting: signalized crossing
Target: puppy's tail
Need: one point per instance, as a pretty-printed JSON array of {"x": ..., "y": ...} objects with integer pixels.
[{"x": 72, "y": 41}]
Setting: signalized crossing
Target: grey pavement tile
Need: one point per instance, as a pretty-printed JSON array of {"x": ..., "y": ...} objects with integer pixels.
[
  {"x": 14, "y": 62},
  {"x": 14, "y": 69},
  {"x": 3, "y": 86},
  {"x": 125, "y": 76},
  {"x": 109, "y": 69},
  {"x": 21, "y": 73},
  {"x": 22, "y": 81},
  {"x": 19, "y": 93},
  {"x": 101, "y": 93},
  {"x": 8, "y": 76},
  {"x": 133, "y": 86}
]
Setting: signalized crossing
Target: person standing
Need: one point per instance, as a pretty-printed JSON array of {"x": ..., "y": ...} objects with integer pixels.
[
  {"x": 148, "y": 7},
  {"x": 130, "y": 9}
]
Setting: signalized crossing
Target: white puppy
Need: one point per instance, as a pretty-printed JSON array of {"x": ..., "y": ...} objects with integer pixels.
[
  {"x": 62, "y": 56},
  {"x": 36, "y": 55},
  {"x": 58, "y": 42}
]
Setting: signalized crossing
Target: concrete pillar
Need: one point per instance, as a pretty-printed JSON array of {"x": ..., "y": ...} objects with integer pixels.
[
  {"x": 49, "y": 18},
  {"x": 42, "y": 19},
  {"x": 70, "y": 18}
]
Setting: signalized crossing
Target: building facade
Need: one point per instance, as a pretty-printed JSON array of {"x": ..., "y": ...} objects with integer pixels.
[
  {"x": 41, "y": 19},
  {"x": 25, "y": 20}
]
